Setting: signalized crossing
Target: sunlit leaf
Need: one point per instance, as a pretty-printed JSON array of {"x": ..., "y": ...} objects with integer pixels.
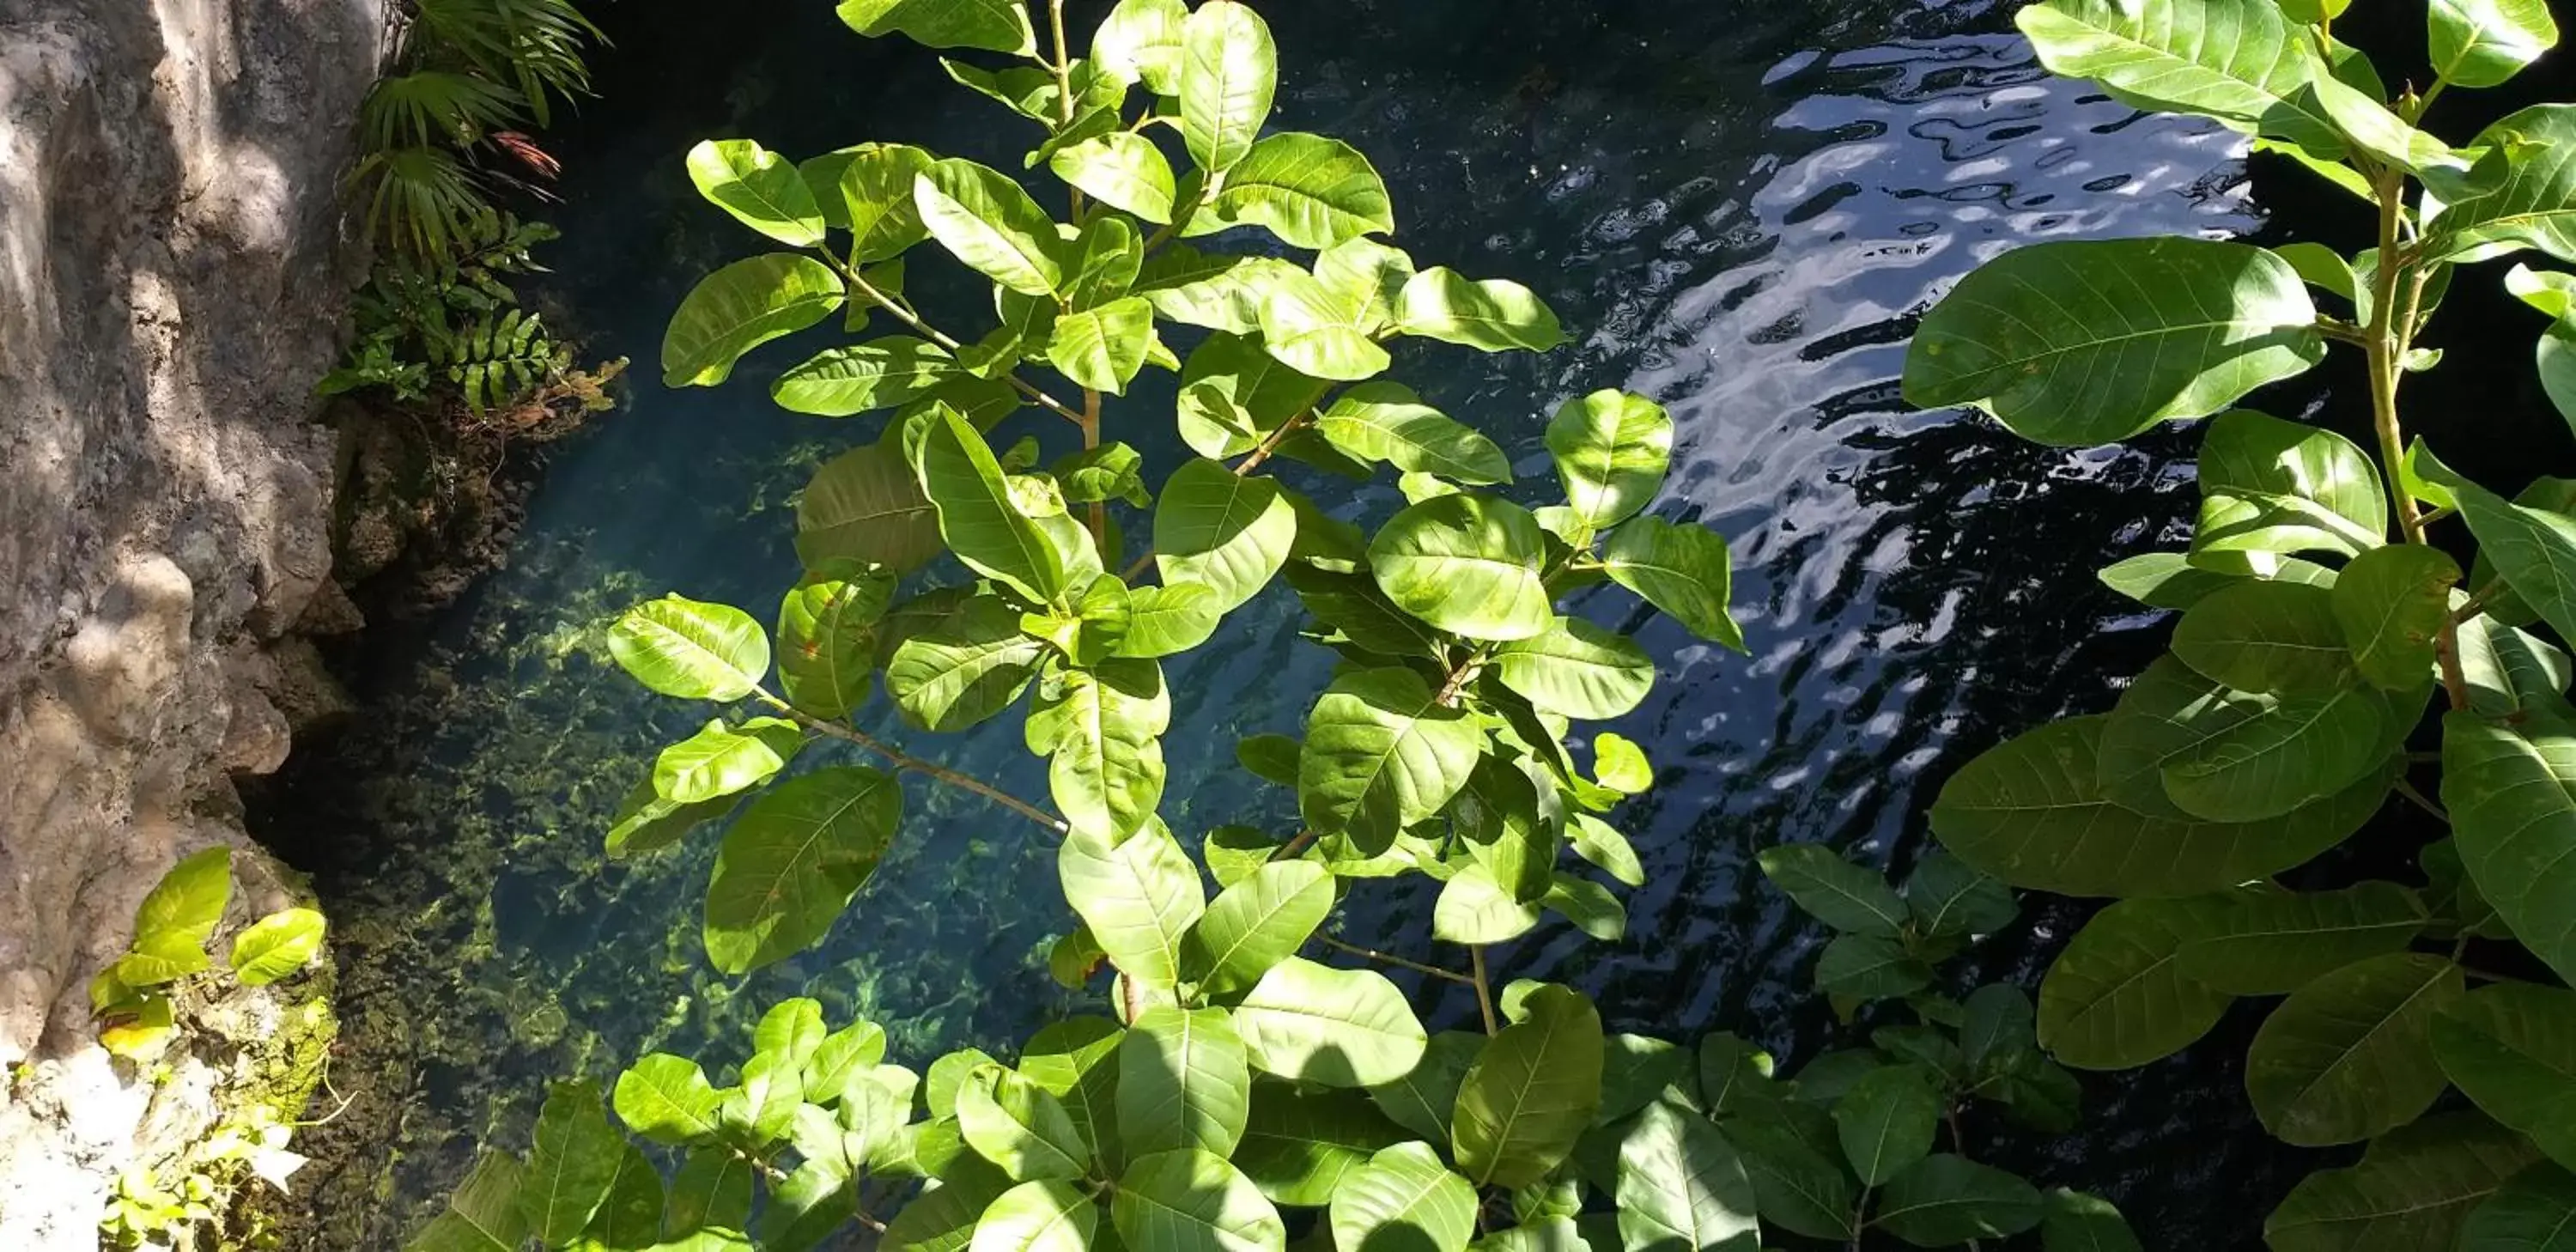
[
  {"x": 878, "y": 374},
  {"x": 989, "y": 222},
  {"x": 758, "y": 187},
  {"x": 2480, "y": 43},
  {"x": 1309, "y": 190},
  {"x": 2514, "y": 814},
  {"x": 993, "y": 25},
  {"x": 1140, "y": 896},
  {"x": 1193, "y": 1201},
  {"x": 963, "y": 669},
  {"x": 2240, "y": 61},
  {"x": 722, "y": 760},
  {"x": 740, "y": 307},
  {"x": 2273, "y": 943},
  {"x": 572, "y": 1163},
  {"x": 1340, "y": 1028},
  {"x": 1019, "y": 1126},
  {"x": 693, "y": 650},
  {"x": 1404, "y": 1200},
  {"x": 1229, "y": 72},
  {"x": 1382, "y": 753},
  {"x": 1681, "y": 569},
  {"x": 1225, "y": 531},
  {"x": 1532, "y": 1091},
  {"x": 2267, "y": 485}
]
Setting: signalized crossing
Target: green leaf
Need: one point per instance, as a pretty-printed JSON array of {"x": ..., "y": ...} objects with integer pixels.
[
  {"x": 1945, "y": 1200},
  {"x": 2532, "y": 548},
  {"x": 1637, "y": 1071},
  {"x": 2415, "y": 1188},
  {"x": 740, "y": 307},
  {"x": 794, "y": 860},
  {"x": 1611, "y": 450},
  {"x": 760, "y": 1108},
  {"x": 1224, "y": 531},
  {"x": 1193, "y": 1201},
  {"x": 1388, "y": 422},
  {"x": 993, "y": 25},
  {"x": 277, "y": 946},
  {"x": 827, "y": 642},
  {"x": 1369, "y": 277},
  {"x": 630, "y": 1220},
  {"x": 1887, "y": 1120},
  {"x": 2078, "y": 1222},
  {"x": 976, "y": 516},
  {"x": 1183, "y": 1082},
  {"x": 1123, "y": 170},
  {"x": 2274, "y": 943},
  {"x": 942, "y": 1219},
  {"x": 878, "y": 374},
  {"x": 1048, "y": 1216},
  {"x": 722, "y": 760},
  {"x": 2116, "y": 998},
  {"x": 1075, "y": 1060},
  {"x": 2268, "y": 637},
  {"x": 2480, "y": 43},
  {"x": 1104, "y": 727},
  {"x": 2392, "y": 603},
  {"x": 1140, "y": 896},
  {"x": 852, "y": 1051},
  {"x": 2292, "y": 752},
  {"x": 1229, "y": 72},
  {"x": 1103, "y": 348},
  {"x": 1423, "y": 1099},
  {"x": 2036, "y": 338},
  {"x": 1577, "y": 669},
  {"x": 1466, "y": 564},
  {"x": 1339, "y": 1028},
  {"x": 2350, "y": 1055},
  {"x": 758, "y": 187},
  {"x": 1298, "y": 1146},
  {"x": 645, "y": 822},
  {"x": 866, "y": 189},
  {"x": 1317, "y": 331},
  {"x": 689, "y": 649},
  {"x": 2163, "y": 580},
  {"x": 2239, "y": 61},
  {"x": 1352, "y": 604},
  {"x": 483, "y": 1215},
  {"x": 1681, "y": 1187},
  {"x": 1680, "y": 569},
  {"x": 2511, "y": 1048},
  {"x": 1475, "y": 908},
  {"x": 176, "y": 919},
  {"x": 2267, "y": 485},
  {"x": 964, "y": 669},
  {"x": 1309, "y": 190},
  {"x": 1381, "y": 754},
  {"x": 990, "y": 223},
  {"x": 865, "y": 505},
  {"x": 1495, "y": 315},
  {"x": 1870, "y": 967},
  {"x": 1168, "y": 620},
  {"x": 1948, "y": 898},
  {"x": 1403, "y": 1200},
  {"x": 1532, "y": 1091},
  {"x": 2515, "y": 819},
  {"x": 1834, "y": 891},
  {"x": 2534, "y": 209},
  {"x": 1795, "y": 1187},
  {"x": 1019, "y": 1126},
  {"x": 2535, "y": 1211},
  {"x": 572, "y": 1163},
  {"x": 1140, "y": 40},
  {"x": 667, "y": 1099},
  {"x": 1256, "y": 923}
]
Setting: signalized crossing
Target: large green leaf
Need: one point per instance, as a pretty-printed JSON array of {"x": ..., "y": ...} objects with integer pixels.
[
  {"x": 993, "y": 25},
  {"x": 722, "y": 760},
  {"x": 2274, "y": 943},
  {"x": 1103, "y": 348},
  {"x": 2391, "y": 603},
  {"x": 1834, "y": 891},
  {"x": 2269, "y": 637},
  {"x": 1141, "y": 40},
  {"x": 1611, "y": 450},
  {"x": 1531, "y": 1092},
  {"x": 1221, "y": 292},
  {"x": 2512, "y": 1049},
  {"x": 1311, "y": 191},
  {"x": 942, "y": 1219},
  {"x": 2536, "y": 208},
  {"x": 2533, "y": 548},
  {"x": 1225, "y": 531},
  {"x": 176, "y": 919},
  {"x": 2296, "y": 751},
  {"x": 963, "y": 669},
  {"x": 1404, "y": 1200},
  {"x": 1795, "y": 1186},
  {"x": 1048, "y": 1216},
  {"x": 1424, "y": 1099},
  {"x": 1183, "y": 1082},
  {"x": 1681, "y": 1187},
  {"x": 645, "y": 822},
  {"x": 1577, "y": 669},
  {"x": 2535, "y": 1211},
  {"x": 2167, "y": 714},
  {"x": 2350, "y": 1055},
  {"x": 1948, "y": 898},
  {"x": 1382, "y": 753},
  {"x": 758, "y": 187},
  {"x": 667, "y": 1099},
  {"x": 1123, "y": 170},
  {"x": 1340, "y": 1028},
  {"x": 631, "y": 1217},
  {"x": 961, "y": 475},
  {"x": 277, "y": 946},
  {"x": 2414, "y": 1189},
  {"x": 2512, "y": 810},
  {"x": 2045, "y": 340},
  {"x": 1352, "y": 604},
  {"x": 1019, "y": 1126},
  {"x": 1494, "y": 315},
  {"x": 1257, "y": 922},
  {"x": 1887, "y": 1120},
  {"x": 878, "y": 374},
  {"x": 2116, "y": 998},
  {"x": 1139, "y": 896},
  {"x": 1104, "y": 728},
  {"x": 1076, "y": 1060},
  {"x": 2267, "y": 485},
  {"x": 740, "y": 307},
  {"x": 1945, "y": 1200},
  {"x": 2032, "y": 813},
  {"x": 1466, "y": 564},
  {"x": 2480, "y": 43},
  {"x": 691, "y": 649},
  {"x": 2240, "y": 61},
  {"x": 866, "y": 190},
  {"x": 865, "y": 505},
  {"x": 1474, "y": 907},
  {"x": 1229, "y": 72},
  {"x": 572, "y": 1163},
  {"x": 2078, "y": 1222},
  {"x": 827, "y": 641},
  {"x": 794, "y": 860},
  {"x": 1388, "y": 422},
  {"x": 1316, "y": 330},
  {"x": 990, "y": 223},
  {"x": 1193, "y": 1201},
  {"x": 483, "y": 1215},
  {"x": 1680, "y": 569},
  {"x": 1299, "y": 1145}
]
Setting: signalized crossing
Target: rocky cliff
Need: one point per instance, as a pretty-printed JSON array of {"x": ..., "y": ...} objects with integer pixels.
[{"x": 173, "y": 265}]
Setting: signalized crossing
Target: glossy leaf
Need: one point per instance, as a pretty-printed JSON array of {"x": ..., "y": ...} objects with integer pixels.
[
  {"x": 1121, "y": 169},
  {"x": 1193, "y": 1201},
  {"x": 1682, "y": 1187},
  {"x": 994, "y": 25},
  {"x": 1019, "y": 1126},
  {"x": 1103, "y": 728},
  {"x": 1257, "y": 922},
  {"x": 989, "y": 222},
  {"x": 794, "y": 860},
  {"x": 2511, "y": 1048},
  {"x": 693, "y": 650},
  {"x": 1103, "y": 348},
  {"x": 1184, "y": 1081},
  {"x": 1404, "y": 1200},
  {"x": 572, "y": 1163},
  {"x": 1048, "y": 1216},
  {"x": 1795, "y": 1187},
  {"x": 2267, "y": 485},
  {"x": 1466, "y": 564},
  {"x": 2392, "y": 603},
  {"x": 1577, "y": 669},
  {"x": 1169, "y": 620},
  {"x": 827, "y": 642},
  {"x": 740, "y": 307},
  {"x": 2117, "y": 998},
  {"x": 976, "y": 516},
  {"x": 759, "y": 188},
  {"x": 963, "y": 669},
  {"x": 2515, "y": 818},
  {"x": 1611, "y": 449},
  {"x": 1340, "y": 1028},
  {"x": 1309, "y": 190},
  {"x": 1229, "y": 72},
  {"x": 1141, "y": 40},
  {"x": 1845, "y": 896},
  {"x": 2535, "y": 209},
  {"x": 1681, "y": 569},
  {"x": 2037, "y": 338},
  {"x": 2480, "y": 43},
  {"x": 1494, "y": 315},
  {"x": 1298, "y": 1146},
  {"x": 1139, "y": 896},
  {"x": 1225, "y": 531},
  {"x": 1474, "y": 907},
  {"x": 1387, "y": 422},
  {"x": 1381, "y": 754},
  {"x": 2270, "y": 637},
  {"x": 276, "y": 946},
  {"x": 865, "y": 505},
  {"x": 483, "y": 1215},
  {"x": 2350, "y": 1055},
  {"x": 1532, "y": 1091},
  {"x": 878, "y": 374},
  {"x": 2274, "y": 943},
  {"x": 667, "y": 1099},
  {"x": 721, "y": 760},
  {"x": 2239, "y": 61},
  {"x": 1316, "y": 330}
]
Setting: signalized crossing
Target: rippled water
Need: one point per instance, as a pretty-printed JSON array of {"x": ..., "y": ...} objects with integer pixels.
[{"x": 1738, "y": 207}]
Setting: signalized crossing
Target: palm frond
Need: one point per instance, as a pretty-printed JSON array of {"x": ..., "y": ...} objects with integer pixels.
[
  {"x": 535, "y": 44},
  {"x": 427, "y": 107},
  {"x": 422, "y": 199}
]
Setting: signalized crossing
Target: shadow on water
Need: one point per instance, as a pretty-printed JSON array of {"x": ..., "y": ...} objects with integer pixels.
[{"x": 1739, "y": 207}]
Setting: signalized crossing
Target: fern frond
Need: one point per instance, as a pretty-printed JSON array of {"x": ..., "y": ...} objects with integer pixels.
[{"x": 427, "y": 107}]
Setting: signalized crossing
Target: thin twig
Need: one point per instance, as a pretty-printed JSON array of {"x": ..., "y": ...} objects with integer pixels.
[
  {"x": 850, "y": 274},
  {"x": 2491, "y": 976},
  {"x": 1288, "y": 851},
  {"x": 2477, "y": 601},
  {"x": 1373, "y": 954},
  {"x": 2407, "y": 789},
  {"x": 1484, "y": 990},
  {"x": 905, "y": 760}
]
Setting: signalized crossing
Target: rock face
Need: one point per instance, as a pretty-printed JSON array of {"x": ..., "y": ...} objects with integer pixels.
[{"x": 173, "y": 269}]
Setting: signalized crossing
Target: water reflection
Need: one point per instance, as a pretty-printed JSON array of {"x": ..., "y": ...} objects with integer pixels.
[{"x": 1741, "y": 209}]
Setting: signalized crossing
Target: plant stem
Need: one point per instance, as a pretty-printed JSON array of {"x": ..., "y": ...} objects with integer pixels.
[
  {"x": 1484, "y": 989},
  {"x": 1288, "y": 851},
  {"x": 906, "y": 316},
  {"x": 1958, "y": 1145},
  {"x": 1373, "y": 954},
  {"x": 2391, "y": 333},
  {"x": 2407, "y": 789},
  {"x": 904, "y": 760},
  {"x": 1099, "y": 519}
]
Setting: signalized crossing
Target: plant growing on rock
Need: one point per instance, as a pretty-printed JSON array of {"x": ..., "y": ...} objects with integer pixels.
[
  {"x": 2327, "y": 595},
  {"x": 1238, "y": 1085}
]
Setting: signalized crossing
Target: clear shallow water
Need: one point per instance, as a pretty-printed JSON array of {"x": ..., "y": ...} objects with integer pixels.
[{"x": 1737, "y": 208}]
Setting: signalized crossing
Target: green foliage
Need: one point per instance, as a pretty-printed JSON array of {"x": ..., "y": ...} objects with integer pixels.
[{"x": 2312, "y": 632}]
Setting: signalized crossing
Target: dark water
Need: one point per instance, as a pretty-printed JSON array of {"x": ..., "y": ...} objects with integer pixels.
[{"x": 1738, "y": 207}]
